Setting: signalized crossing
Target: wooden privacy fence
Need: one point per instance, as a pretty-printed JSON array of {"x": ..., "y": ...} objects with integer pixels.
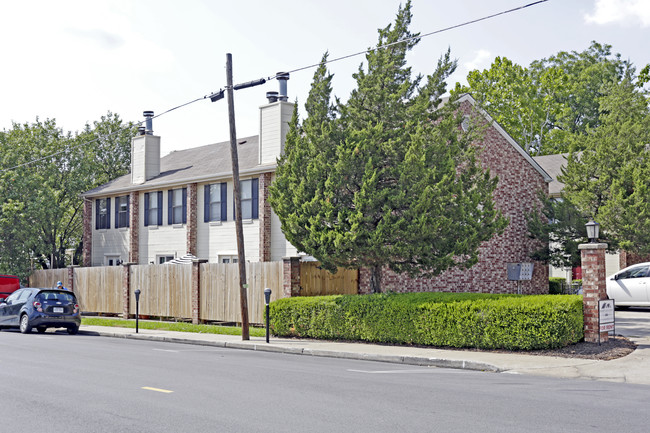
[
  {"x": 197, "y": 291},
  {"x": 166, "y": 290},
  {"x": 220, "y": 290},
  {"x": 315, "y": 281},
  {"x": 48, "y": 278}
]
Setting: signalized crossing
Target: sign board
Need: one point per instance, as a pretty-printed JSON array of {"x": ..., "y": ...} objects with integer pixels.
[
  {"x": 520, "y": 271},
  {"x": 606, "y": 315}
]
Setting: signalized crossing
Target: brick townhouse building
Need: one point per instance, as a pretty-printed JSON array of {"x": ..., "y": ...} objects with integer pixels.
[{"x": 183, "y": 204}]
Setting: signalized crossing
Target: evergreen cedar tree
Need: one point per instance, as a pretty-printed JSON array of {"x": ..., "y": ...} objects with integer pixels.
[
  {"x": 609, "y": 179},
  {"x": 388, "y": 178}
]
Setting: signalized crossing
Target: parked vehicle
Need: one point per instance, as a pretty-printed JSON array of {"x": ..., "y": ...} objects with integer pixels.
[
  {"x": 29, "y": 308},
  {"x": 8, "y": 285},
  {"x": 629, "y": 287}
]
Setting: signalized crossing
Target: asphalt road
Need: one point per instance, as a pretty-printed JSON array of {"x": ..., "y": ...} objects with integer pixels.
[{"x": 61, "y": 383}]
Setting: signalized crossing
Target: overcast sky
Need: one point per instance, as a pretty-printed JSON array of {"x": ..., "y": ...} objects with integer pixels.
[{"x": 76, "y": 60}]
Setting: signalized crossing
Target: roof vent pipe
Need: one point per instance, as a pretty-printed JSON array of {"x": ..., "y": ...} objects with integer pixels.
[
  {"x": 141, "y": 130},
  {"x": 282, "y": 77},
  {"x": 148, "y": 116},
  {"x": 272, "y": 97}
]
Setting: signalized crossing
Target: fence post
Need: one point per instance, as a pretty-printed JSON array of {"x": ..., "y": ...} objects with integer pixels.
[
  {"x": 126, "y": 289},
  {"x": 71, "y": 277},
  {"x": 291, "y": 276},
  {"x": 196, "y": 290}
]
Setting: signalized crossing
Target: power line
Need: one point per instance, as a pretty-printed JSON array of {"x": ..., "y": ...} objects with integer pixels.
[
  {"x": 69, "y": 148},
  {"x": 466, "y": 23}
]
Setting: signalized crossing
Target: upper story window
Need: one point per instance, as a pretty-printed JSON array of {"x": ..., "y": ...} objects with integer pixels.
[
  {"x": 249, "y": 198},
  {"x": 153, "y": 208},
  {"x": 177, "y": 206},
  {"x": 215, "y": 205},
  {"x": 102, "y": 213},
  {"x": 121, "y": 211}
]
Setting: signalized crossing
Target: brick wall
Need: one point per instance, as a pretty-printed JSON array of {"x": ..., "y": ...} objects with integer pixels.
[
  {"x": 87, "y": 249},
  {"x": 515, "y": 195},
  {"x": 265, "y": 217},
  {"x": 192, "y": 189}
]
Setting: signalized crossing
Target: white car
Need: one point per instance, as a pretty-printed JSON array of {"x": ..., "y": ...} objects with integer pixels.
[{"x": 629, "y": 287}]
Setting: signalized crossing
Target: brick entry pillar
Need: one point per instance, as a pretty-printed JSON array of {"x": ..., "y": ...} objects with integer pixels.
[
  {"x": 87, "y": 249},
  {"x": 196, "y": 290},
  {"x": 593, "y": 288},
  {"x": 291, "y": 276}
]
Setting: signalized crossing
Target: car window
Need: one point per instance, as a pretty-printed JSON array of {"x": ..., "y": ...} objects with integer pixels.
[
  {"x": 635, "y": 272},
  {"x": 24, "y": 295},
  {"x": 56, "y": 295},
  {"x": 14, "y": 295}
]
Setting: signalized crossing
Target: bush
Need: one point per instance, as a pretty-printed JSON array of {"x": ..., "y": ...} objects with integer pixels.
[
  {"x": 435, "y": 319},
  {"x": 555, "y": 285}
]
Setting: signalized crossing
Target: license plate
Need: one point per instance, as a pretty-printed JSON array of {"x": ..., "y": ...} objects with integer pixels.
[{"x": 58, "y": 309}]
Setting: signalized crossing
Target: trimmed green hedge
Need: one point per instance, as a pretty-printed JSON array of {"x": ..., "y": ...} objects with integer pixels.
[{"x": 482, "y": 321}]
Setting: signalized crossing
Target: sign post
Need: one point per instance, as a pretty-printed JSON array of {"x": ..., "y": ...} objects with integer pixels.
[{"x": 606, "y": 319}]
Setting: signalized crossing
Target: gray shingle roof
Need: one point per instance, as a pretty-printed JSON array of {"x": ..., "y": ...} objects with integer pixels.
[
  {"x": 552, "y": 164},
  {"x": 211, "y": 162}
]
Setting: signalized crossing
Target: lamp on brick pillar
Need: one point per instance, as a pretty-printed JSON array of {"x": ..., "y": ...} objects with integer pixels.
[
  {"x": 592, "y": 257},
  {"x": 593, "y": 229}
]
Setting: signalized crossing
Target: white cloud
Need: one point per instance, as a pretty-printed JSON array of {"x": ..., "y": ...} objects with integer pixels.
[
  {"x": 481, "y": 60},
  {"x": 624, "y": 12}
]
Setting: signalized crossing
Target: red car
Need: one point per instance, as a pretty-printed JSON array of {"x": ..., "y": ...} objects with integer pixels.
[{"x": 8, "y": 285}]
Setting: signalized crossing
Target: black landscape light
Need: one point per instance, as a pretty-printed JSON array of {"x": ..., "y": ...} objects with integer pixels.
[
  {"x": 267, "y": 301},
  {"x": 137, "y": 308},
  {"x": 592, "y": 230}
]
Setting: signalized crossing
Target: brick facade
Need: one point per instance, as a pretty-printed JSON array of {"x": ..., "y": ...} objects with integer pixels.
[
  {"x": 516, "y": 195},
  {"x": 192, "y": 190},
  {"x": 265, "y": 217},
  {"x": 87, "y": 239},
  {"x": 134, "y": 224}
]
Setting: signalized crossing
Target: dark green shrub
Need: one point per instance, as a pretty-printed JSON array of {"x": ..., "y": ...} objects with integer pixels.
[
  {"x": 555, "y": 285},
  {"x": 435, "y": 319}
]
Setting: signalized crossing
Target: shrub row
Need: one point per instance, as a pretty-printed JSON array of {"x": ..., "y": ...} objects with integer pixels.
[{"x": 475, "y": 320}]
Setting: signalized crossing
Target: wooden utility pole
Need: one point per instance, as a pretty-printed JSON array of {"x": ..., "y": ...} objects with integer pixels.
[{"x": 241, "y": 257}]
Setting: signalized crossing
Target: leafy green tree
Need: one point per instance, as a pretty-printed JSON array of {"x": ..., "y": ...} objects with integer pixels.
[
  {"x": 44, "y": 171},
  {"x": 543, "y": 105},
  {"x": 608, "y": 179},
  {"x": 387, "y": 178}
]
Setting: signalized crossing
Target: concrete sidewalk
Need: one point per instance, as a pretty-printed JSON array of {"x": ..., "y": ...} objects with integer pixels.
[{"x": 633, "y": 368}]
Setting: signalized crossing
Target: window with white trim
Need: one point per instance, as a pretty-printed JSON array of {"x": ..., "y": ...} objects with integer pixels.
[
  {"x": 121, "y": 211},
  {"x": 102, "y": 213},
  {"x": 215, "y": 207},
  {"x": 153, "y": 208}
]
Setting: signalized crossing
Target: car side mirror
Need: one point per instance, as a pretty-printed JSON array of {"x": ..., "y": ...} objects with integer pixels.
[
  {"x": 616, "y": 277},
  {"x": 3, "y": 301}
]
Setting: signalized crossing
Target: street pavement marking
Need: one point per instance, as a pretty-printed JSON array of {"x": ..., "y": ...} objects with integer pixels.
[
  {"x": 165, "y": 391},
  {"x": 166, "y": 350}
]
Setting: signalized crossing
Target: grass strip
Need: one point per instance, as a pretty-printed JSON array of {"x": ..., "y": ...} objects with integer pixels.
[{"x": 171, "y": 326}]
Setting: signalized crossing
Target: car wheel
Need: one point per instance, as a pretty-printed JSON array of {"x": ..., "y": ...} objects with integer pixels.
[
  {"x": 41, "y": 329},
  {"x": 24, "y": 324},
  {"x": 72, "y": 330}
]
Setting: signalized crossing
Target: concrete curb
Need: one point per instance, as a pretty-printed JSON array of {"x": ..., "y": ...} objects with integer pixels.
[{"x": 394, "y": 359}]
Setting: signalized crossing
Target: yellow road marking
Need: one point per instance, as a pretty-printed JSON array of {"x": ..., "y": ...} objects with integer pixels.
[{"x": 166, "y": 391}]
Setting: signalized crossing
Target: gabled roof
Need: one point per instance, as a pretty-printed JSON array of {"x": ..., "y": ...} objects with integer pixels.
[
  {"x": 205, "y": 163},
  {"x": 553, "y": 164},
  {"x": 467, "y": 97}
]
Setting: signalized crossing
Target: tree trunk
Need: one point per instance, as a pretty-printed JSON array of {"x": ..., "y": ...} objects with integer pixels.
[{"x": 375, "y": 279}]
